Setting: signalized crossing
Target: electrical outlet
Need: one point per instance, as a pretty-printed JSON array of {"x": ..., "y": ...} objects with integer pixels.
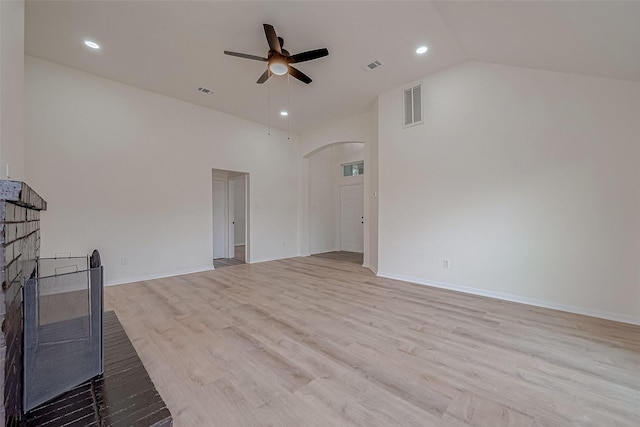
[
  {"x": 446, "y": 263},
  {"x": 124, "y": 261}
]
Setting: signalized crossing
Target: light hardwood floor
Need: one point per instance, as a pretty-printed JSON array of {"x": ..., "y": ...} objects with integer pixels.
[
  {"x": 238, "y": 258},
  {"x": 355, "y": 257},
  {"x": 316, "y": 342}
]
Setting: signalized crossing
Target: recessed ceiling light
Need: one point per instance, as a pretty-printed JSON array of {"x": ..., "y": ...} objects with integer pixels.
[
  {"x": 92, "y": 45},
  {"x": 421, "y": 50},
  {"x": 284, "y": 113}
]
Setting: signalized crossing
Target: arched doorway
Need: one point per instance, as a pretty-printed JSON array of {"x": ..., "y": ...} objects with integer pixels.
[{"x": 335, "y": 203}]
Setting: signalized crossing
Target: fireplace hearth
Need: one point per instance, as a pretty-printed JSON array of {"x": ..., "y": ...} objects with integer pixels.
[{"x": 66, "y": 341}]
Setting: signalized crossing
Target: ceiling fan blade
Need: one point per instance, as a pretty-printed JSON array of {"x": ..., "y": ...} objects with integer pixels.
[
  {"x": 308, "y": 56},
  {"x": 263, "y": 78},
  {"x": 272, "y": 38},
  {"x": 245, "y": 56},
  {"x": 299, "y": 75}
]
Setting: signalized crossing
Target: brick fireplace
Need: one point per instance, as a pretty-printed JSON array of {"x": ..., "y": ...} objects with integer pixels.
[
  {"x": 124, "y": 395},
  {"x": 20, "y": 208}
]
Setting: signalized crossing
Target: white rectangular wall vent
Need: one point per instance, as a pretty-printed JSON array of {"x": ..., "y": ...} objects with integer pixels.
[
  {"x": 412, "y": 105},
  {"x": 373, "y": 65}
]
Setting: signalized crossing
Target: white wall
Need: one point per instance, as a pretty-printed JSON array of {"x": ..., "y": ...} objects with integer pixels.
[
  {"x": 129, "y": 172},
  {"x": 371, "y": 191},
  {"x": 12, "y": 90},
  {"x": 322, "y": 206},
  {"x": 349, "y": 152},
  {"x": 352, "y": 129},
  {"x": 526, "y": 180}
]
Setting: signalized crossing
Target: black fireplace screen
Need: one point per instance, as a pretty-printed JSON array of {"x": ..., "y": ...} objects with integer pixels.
[{"x": 62, "y": 327}]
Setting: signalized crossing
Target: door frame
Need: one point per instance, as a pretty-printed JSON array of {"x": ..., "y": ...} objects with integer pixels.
[
  {"x": 226, "y": 176},
  {"x": 225, "y": 212},
  {"x": 231, "y": 218},
  {"x": 236, "y": 180}
]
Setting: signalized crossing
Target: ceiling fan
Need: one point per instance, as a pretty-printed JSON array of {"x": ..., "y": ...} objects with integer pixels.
[{"x": 278, "y": 59}]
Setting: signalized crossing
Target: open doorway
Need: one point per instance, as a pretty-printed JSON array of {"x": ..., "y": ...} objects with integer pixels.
[
  {"x": 336, "y": 202},
  {"x": 230, "y": 196}
]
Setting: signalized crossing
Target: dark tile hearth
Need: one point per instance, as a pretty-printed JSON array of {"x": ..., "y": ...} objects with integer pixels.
[{"x": 123, "y": 396}]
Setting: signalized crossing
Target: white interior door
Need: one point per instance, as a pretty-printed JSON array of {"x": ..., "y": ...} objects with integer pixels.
[
  {"x": 231, "y": 219},
  {"x": 352, "y": 218},
  {"x": 219, "y": 219},
  {"x": 239, "y": 211}
]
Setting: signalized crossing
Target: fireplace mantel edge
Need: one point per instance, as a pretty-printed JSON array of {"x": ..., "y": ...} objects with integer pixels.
[{"x": 21, "y": 194}]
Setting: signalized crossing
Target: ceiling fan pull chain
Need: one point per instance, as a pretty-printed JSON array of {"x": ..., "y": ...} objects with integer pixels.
[
  {"x": 269, "y": 107},
  {"x": 288, "y": 107}
]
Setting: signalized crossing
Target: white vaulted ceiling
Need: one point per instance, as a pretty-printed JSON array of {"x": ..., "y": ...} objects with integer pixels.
[
  {"x": 174, "y": 47},
  {"x": 597, "y": 38}
]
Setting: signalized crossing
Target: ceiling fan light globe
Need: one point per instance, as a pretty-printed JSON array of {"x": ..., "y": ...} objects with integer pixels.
[{"x": 278, "y": 68}]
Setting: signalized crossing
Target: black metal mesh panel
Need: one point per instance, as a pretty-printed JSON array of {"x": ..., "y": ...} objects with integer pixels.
[{"x": 62, "y": 328}]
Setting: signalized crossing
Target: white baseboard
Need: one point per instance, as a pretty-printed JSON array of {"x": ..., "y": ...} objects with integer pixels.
[
  {"x": 157, "y": 276},
  {"x": 373, "y": 269},
  {"x": 624, "y": 318}
]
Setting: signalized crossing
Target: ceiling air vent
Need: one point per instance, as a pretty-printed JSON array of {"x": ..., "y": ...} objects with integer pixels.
[
  {"x": 204, "y": 90},
  {"x": 412, "y": 105},
  {"x": 373, "y": 65}
]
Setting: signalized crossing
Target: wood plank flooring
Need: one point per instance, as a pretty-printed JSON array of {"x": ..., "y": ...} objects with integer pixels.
[
  {"x": 238, "y": 258},
  {"x": 316, "y": 342},
  {"x": 226, "y": 262},
  {"x": 355, "y": 257},
  {"x": 239, "y": 252}
]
